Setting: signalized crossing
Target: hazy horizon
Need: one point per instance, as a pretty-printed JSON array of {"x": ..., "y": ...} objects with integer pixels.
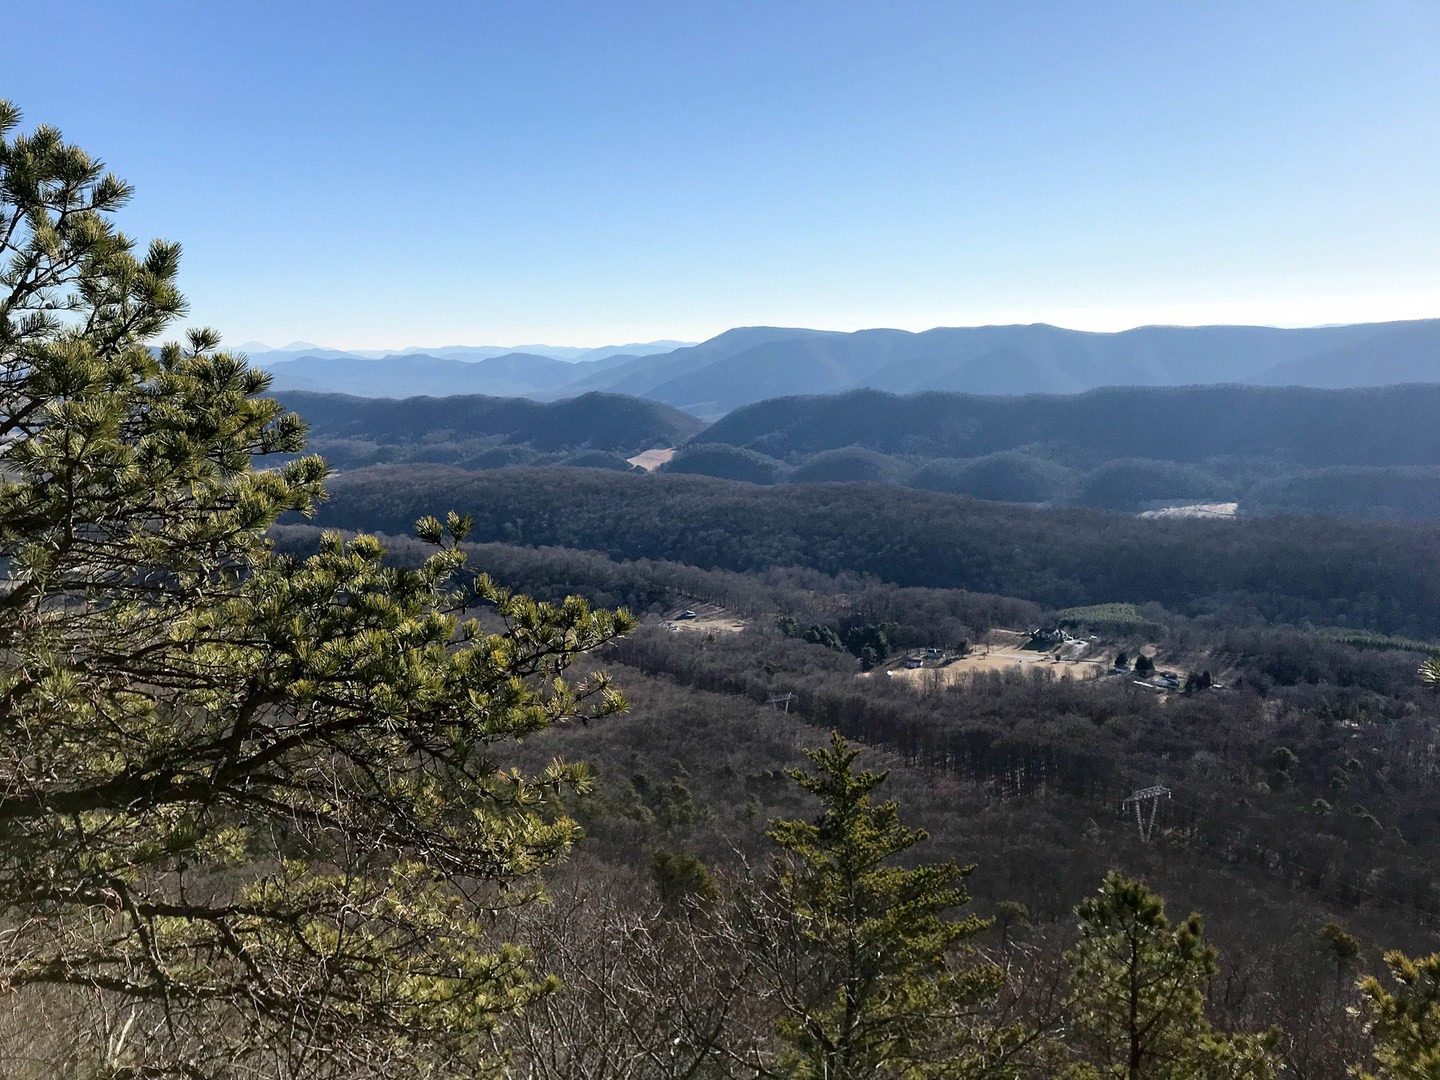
[{"x": 393, "y": 350}]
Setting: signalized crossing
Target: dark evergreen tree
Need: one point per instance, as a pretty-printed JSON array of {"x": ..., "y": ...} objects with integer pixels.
[
  {"x": 864, "y": 957},
  {"x": 1405, "y": 1021},
  {"x": 682, "y": 880},
  {"x": 1340, "y": 945},
  {"x": 1138, "y": 1001}
]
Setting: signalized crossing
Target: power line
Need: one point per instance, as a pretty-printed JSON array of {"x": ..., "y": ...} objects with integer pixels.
[{"x": 1152, "y": 795}]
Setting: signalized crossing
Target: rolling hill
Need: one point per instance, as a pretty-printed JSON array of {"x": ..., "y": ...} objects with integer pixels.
[
  {"x": 484, "y": 432},
  {"x": 1294, "y": 426},
  {"x": 1369, "y": 452}
]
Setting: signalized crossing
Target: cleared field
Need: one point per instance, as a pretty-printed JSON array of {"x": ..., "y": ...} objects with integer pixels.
[
  {"x": 651, "y": 460},
  {"x": 709, "y": 619},
  {"x": 1001, "y": 652},
  {"x": 998, "y": 660},
  {"x": 1196, "y": 510}
]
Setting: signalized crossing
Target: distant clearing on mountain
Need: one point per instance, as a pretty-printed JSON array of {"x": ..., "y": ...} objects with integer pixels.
[{"x": 650, "y": 460}]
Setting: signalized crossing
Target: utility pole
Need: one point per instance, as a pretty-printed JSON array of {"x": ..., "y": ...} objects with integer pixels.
[{"x": 786, "y": 698}]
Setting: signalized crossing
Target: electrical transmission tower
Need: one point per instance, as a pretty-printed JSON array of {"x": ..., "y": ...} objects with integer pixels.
[
  {"x": 779, "y": 698},
  {"x": 1151, "y": 795}
]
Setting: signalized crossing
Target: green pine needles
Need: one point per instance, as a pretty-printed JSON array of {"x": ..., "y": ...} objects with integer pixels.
[
  {"x": 253, "y": 818},
  {"x": 870, "y": 968},
  {"x": 1137, "y": 1006},
  {"x": 1404, "y": 1021}
]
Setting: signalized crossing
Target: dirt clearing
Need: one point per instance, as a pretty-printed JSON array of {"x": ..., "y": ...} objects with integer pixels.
[
  {"x": 1002, "y": 651},
  {"x": 705, "y": 617}
]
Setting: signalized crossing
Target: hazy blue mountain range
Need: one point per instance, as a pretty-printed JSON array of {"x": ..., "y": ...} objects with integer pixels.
[
  {"x": 508, "y": 375},
  {"x": 742, "y": 367},
  {"x": 751, "y": 364},
  {"x": 262, "y": 355}
]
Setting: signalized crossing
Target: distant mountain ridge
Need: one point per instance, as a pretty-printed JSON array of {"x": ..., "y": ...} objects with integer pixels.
[
  {"x": 1008, "y": 360},
  {"x": 262, "y": 355},
  {"x": 507, "y": 375},
  {"x": 750, "y": 364},
  {"x": 1371, "y": 452},
  {"x": 1296, "y": 426},
  {"x": 475, "y": 431}
]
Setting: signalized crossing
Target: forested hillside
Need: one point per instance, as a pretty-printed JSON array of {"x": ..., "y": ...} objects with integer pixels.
[
  {"x": 596, "y": 430},
  {"x": 1290, "y": 426},
  {"x": 1367, "y": 453},
  {"x": 1287, "y": 569},
  {"x": 1296, "y": 772}
]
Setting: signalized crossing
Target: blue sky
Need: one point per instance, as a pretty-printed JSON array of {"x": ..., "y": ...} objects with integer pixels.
[{"x": 377, "y": 174}]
